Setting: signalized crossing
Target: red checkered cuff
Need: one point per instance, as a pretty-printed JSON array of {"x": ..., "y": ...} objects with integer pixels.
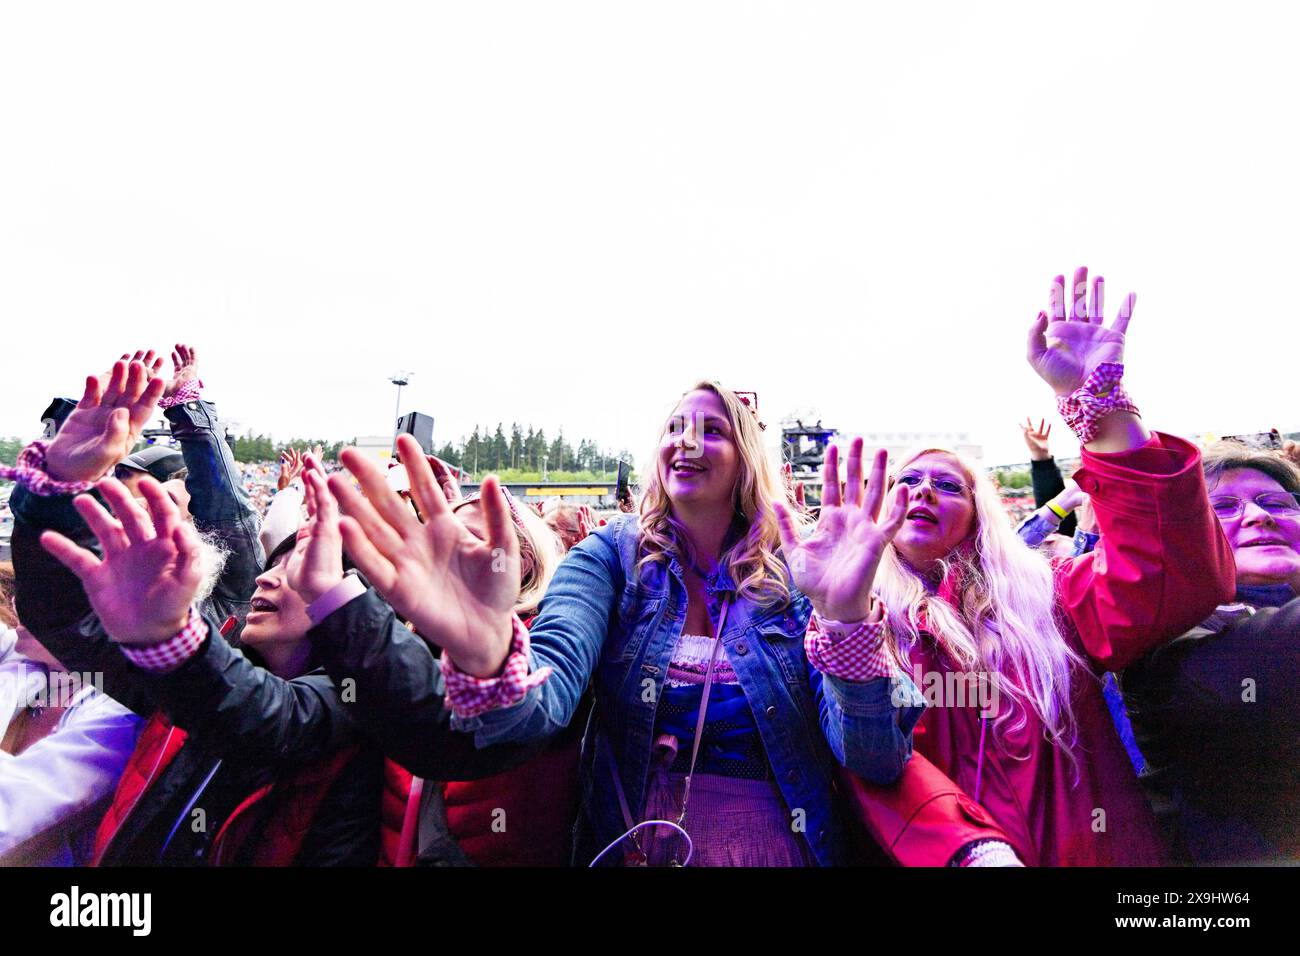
[
  {"x": 187, "y": 392},
  {"x": 854, "y": 651},
  {"x": 171, "y": 653},
  {"x": 469, "y": 696},
  {"x": 29, "y": 471},
  {"x": 1099, "y": 395}
]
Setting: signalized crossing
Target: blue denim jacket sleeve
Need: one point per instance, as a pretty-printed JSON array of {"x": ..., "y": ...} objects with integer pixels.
[
  {"x": 868, "y": 724},
  {"x": 567, "y": 635}
]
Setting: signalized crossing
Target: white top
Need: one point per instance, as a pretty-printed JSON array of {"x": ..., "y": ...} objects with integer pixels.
[{"x": 62, "y": 774}]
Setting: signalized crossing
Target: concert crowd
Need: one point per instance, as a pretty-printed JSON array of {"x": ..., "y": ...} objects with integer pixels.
[{"x": 204, "y": 663}]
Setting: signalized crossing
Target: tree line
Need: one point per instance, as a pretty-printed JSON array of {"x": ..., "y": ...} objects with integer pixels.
[
  {"x": 528, "y": 450},
  {"x": 522, "y": 450},
  {"x": 252, "y": 447}
]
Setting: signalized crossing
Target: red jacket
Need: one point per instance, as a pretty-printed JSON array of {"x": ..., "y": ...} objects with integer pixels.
[
  {"x": 1161, "y": 566},
  {"x": 522, "y": 817},
  {"x": 275, "y": 819}
]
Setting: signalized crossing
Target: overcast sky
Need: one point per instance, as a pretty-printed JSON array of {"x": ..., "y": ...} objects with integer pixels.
[{"x": 564, "y": 213}]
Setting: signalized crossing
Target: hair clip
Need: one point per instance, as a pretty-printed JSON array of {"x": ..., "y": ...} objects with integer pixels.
[{"x": 750, "y": 401}]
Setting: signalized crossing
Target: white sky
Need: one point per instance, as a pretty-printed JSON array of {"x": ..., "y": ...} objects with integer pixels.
[{"x": 563, "y": 213}]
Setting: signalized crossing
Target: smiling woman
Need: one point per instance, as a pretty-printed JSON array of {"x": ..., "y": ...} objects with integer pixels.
[
  {"x": 960, "y": 593},
  {"x": 687, "y": 623},
  {"x": 1214, "y": 712}
]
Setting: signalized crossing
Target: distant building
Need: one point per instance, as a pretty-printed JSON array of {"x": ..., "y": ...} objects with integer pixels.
[
  {"x": 379, "y": 448},
  {"x": 900, "y": 443}
]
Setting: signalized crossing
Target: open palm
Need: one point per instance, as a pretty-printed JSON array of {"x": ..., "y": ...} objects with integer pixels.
[
  {"x": 836, "y": 565},
  {"x": 185, "y": 368},
  {"x": 150, "y": 572},
  {"x": 457, "y": 589},
  {"x": 316, "y": 564},
  {"x": 104, "y": 426},
  {"x": 1065, "y": 349}
]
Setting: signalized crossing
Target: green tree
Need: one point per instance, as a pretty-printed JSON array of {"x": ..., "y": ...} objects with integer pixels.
[
  {"x": 500, "y": 448},
  {"x": 516, "y": 445},
  {"x": 9, "y": 449},
  {"x": 450, "y": 454}
]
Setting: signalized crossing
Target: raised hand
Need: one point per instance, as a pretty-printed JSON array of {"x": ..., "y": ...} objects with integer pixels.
[
  {"x": 836, "y": 565},
  {"x": 1036, "y": 439},
  {"x": 106, "y": 423},
  {"x": 291, "y": 465},
  {"x": 1291, "y": 451},
  {"x": 457, "y": 589},
  {"x": 447, "y": 480},
  {"x": 185, "y": 368},
  {"x": 793, "y": 491},
  {"x": 1063, "y": 349},
  {"x": 151, "y": 570},
  {"x": 586, "y": 522},
  {"x": 151, "y": 361},
  {"x": 316, "y": 564}
]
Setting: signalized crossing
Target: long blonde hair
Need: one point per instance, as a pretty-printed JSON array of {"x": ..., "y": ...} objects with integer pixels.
[
  {"x": 1004, "y": 623},
  {"x": 754, "y": 560}
]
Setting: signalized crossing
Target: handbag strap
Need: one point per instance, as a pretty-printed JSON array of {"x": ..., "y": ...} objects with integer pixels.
[
  {"x": 699, "y": 731},
  {"x": 704, "y": 708}
]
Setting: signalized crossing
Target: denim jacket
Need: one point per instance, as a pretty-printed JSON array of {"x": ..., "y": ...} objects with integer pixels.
[{"x": 604, "y": 618}]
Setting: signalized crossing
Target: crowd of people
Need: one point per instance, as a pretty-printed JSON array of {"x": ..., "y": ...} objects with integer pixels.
[{"x": 374, "y": 669}]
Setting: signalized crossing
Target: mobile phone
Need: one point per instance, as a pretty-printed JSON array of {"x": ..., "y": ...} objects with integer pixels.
[{"x": 623, "y": 489}]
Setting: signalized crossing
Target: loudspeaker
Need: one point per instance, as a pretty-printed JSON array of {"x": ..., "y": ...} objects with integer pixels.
[{"x": 418, "y": 426}]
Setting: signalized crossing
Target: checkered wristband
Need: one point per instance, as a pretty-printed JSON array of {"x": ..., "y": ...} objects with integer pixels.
[
  {"x": 29, "y": 471},
  {"x": 1099, "y": 395},
  {"x": 469, "y": 696},
  {"x": 171, "y": 653},
  {"x": 187, "y": 392},
  {"x": 854, "y": 652}
]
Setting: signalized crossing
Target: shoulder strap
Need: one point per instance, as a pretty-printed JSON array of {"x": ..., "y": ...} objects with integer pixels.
[
  {"x": 699, "y": 730},
  {"x": 704, "y": 707}
]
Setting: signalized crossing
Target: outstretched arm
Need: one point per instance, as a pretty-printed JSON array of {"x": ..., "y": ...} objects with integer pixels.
[
  {"x": 98, "y": 433},
  {"x": 218, "y": 502},
  {"x": 867, "y": 708},
  {"x": 1162, "y": 564}
]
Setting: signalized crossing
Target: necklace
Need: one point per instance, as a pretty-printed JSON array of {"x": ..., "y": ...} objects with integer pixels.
[
  {"x": 705, "y": 576},
  {"x": 712, "y": 593}
]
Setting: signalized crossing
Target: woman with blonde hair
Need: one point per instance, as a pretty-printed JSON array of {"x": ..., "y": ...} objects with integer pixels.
[
  {"x": 715, "y": 735},
  {"x": 1008, "y": 647}
]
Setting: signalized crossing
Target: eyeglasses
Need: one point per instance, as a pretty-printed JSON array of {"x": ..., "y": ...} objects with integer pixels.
[
  {"x": 940, "y": 483},
  {"x": 1273, "y": 502}
]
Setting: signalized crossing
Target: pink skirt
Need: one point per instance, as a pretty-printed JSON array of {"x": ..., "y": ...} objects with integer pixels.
[{"x": 732, "y": 822}]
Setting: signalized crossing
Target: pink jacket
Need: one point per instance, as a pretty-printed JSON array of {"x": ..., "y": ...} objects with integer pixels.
[{"x": 1162, "y": 565}]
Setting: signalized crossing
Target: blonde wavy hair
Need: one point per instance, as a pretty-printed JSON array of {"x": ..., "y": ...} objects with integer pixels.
[
  {"x": 540, "y": 553},
  {"x": 754, "y": 559},
  {"x": 1005, "y": 621}
]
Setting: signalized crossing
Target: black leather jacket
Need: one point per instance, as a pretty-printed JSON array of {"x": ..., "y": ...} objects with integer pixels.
[{"x": 1215, "y": 717}]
